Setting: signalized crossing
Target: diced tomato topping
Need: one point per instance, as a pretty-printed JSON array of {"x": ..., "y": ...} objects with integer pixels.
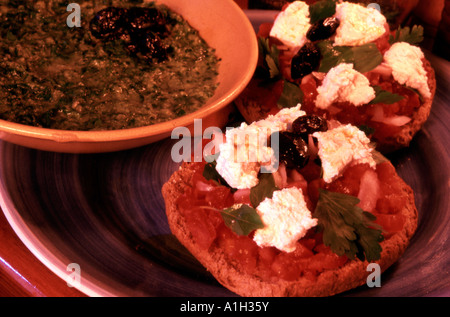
[
  {"x": 383, "y": 131},
  {"x": 239, "y": 248},
  {"x": 346, "y": 112},
  {"x": 187, "y": 202},
  {"x": 242, "y": 196},
  {"x": 264, "y": 29},
  {"x": 309, "y": 89},
  {"x": 265, "y": 96},
  {"x": 394, "y": 200},
  {"x": 201, "y": 205},
  {"x": 295, "y": 179},
  {"x": 308, "y": 243},
  {"x": 266, "y": 257},
  {"x": 382, "y": 42},
  {"x": 313, "y": 189},
  {"x": 385, "y": 171},
  {"x": 325, "y": 259},
  {"x": 350, "y": 180},
  {"x": 205, "y": 223},
  {"x": 289, "y": 266},
  {"x": 220, "y": 197},
  {"x": 267, "y": 254},
  {"x": 369, "y": 191},
  {"x": 391, "y": 223},
  {"x": 284, "y": 268}
]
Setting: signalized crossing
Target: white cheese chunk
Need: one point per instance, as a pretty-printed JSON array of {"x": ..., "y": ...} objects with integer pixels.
[
  {"x": 358, "y": 24},
  {"x": 245, "y": 150},
  {"x": 286, "y": 219},
  {"x": 282, "y": 120},
  {"x": 341, "y": 147},
  {"x": 342, "y": 83},
  {"x": 292, "y": 24},
  {"x": 405, "y": 60},
  {"x": 241, "y": 156}
]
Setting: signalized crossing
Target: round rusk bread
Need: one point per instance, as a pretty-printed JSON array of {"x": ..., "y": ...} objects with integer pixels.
[
  {"x": 406, "y": 134},
  {"x": 249, "y": 105},
  {"x": 330, "y": 282}
]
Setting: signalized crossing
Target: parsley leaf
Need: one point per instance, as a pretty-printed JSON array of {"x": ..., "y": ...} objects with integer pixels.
[
  {"x": 270, "y": 55},
  {"x": 368, "y": 131},
  {"x": 384, "y": 96},
  {"x": 406, "y": 34},
  {"x": 264, "y": 189},
  {"x": 210, "y": 172},
  {"x": 347, "y": 229},
  {"x": 291, "y": 95},
  {"x": 377, "y": 156},
  {"x": 364, "y": 58},
  {"x": 321, "y": 10},
  {"x": 416, "y": 91},
  {"x": 242, "y": 219}
]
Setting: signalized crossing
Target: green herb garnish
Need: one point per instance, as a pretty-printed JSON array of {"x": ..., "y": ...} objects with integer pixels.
[
  {"x": 364, "y": 58},
  {"x": 321, "y": 10},
  {"x": 270, "y": 72},
  {"x": 347, "y": 229},
  {"x": 269, "y": 53},
  {"x": 210, "y": 172},
  {"x": 242, "y": 219},
  {"x": 412, "y": 35},
  {"x": 265, "y": 188},
  {"x": 368, "y": 131},
  {"x": 291, "y": 95},
  {"x": 384, "y": 96}
]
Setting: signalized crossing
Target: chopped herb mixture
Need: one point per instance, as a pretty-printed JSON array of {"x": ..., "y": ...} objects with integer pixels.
[{"x": 61, "y": 77}]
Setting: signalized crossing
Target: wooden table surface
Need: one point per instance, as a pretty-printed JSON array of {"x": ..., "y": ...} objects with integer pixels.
[{"x": 22, "y": 274}]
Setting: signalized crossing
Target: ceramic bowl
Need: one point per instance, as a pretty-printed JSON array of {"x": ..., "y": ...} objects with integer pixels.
[{"x": 226, "y": 28}]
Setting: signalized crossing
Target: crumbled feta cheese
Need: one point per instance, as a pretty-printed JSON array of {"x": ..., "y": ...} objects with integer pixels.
[
  {"x": 240, "y": 157},
  {"x": 286, "y": 219},
  {"x": 405, "y": 60},
  {"x": 343, "y": 83},
  {"x": 358, "y": 24},
  {"x": 292, "y": 24},
  {"x": 282, "y": 120},
  {"x": 245, "y": 150},
  {"x": 341, "y": 147}
]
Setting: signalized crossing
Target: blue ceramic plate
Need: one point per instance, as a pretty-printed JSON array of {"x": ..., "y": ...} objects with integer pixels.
[{"x": 105, "y": 212}]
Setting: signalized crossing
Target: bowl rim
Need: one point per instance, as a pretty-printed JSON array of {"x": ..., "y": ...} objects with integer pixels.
[{"x": 149, "y": 131}]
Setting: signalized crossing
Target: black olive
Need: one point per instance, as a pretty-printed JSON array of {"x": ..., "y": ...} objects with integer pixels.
[
  {"x": 108, "y": 23},
  {"x": 293, "y": 150},
  {"x": 132, "y": 48},
  {"x": 146, "y": 19},
  {"x": 150, "y": 47},
  {"x": 306, "y": 125},
  {"x": 322, "y": 29},
  {"x": 305, "y": 61},
  {"x": 140, "y": 30}
]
